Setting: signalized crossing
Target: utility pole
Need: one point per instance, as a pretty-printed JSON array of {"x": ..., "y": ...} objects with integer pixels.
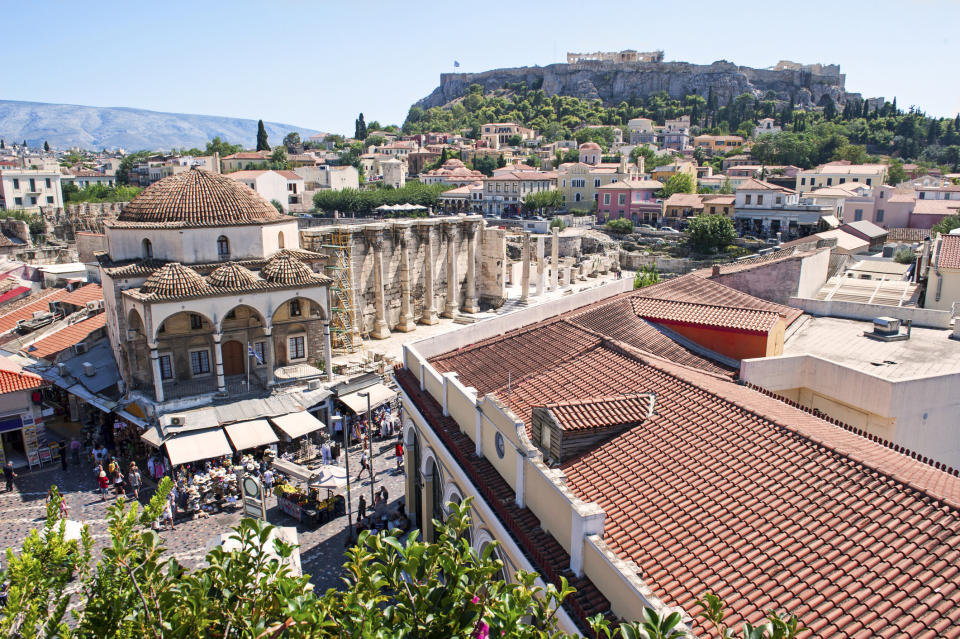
[
  {"x": 373, "y": 498},
  {"x": 346, "y": 461}
]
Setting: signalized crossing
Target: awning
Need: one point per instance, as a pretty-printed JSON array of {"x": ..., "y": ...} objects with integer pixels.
[
  {"x": 247, "y": 435},
  {"x": 294, "y": 471},
  {"x": 196, "y": 445},
  {"x": 297, "y": 424},
  {"x": 379, "y": 394},
  {"x": 152, "y": 436}
]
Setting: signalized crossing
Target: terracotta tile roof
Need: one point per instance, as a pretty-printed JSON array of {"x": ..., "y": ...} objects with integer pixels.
[
  {"x": 758, "y": 185},
  {"x": 698, "y": 290},
  {"x": 232, "y": 275},
  {"x": 643, "y": 185},
  {"x": 283, "y": 268},
  {"x": 9, "y": 321},
  {"x": 692, "y": 200},
  {"x": 195, "y": 199},
  {"x": 749, "y": 263},
  {"x": 908, "y": 234},
  {"x": 51, "y": 345},
  {"x": 729, "y": 491},
  {"x": 690, "y": 314},
  {"x": 948, "y": 255},
  {"x": 80, "y": 296},
  {"x": 14, "y": 293},
  {"x": 142, "y": 268},
  {"x": 248, "y": 155},
  {"x": 175, "y": 280},
  {"x": 602, "y": 412},
  {"x": 290, "y": 175},
  {"x": 13, "y": 378},
  {"x": 936, "y": 207}
]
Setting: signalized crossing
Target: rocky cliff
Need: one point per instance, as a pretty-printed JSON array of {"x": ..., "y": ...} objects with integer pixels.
[{"x": 622, "y": 82}]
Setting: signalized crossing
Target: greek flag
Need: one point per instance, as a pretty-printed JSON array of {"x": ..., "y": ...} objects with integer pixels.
[
  {"x": 253, "y": 353},
  {"x": 456, "y": 64}
]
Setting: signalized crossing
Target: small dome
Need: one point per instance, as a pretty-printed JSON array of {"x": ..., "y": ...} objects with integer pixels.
[
  {"x": 198, "y": 198},
  {"x": 232, "y": 275},
  {"x": 453, "y": 163},
  {"x": 175, "y": 280},
  {"x": 283, "y": 268},
  {"x": 590, "y": 146}
]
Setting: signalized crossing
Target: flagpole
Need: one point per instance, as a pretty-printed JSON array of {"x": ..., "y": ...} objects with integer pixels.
[{"x": 248, "y": 367}]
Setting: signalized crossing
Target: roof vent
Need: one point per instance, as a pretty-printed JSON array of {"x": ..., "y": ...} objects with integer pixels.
[
  {"x": 887, "y": 329},
  {"x": 89, "y": 369}
]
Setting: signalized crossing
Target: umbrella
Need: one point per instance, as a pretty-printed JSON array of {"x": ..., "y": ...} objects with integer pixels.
[{"x": 331, "y": 477}]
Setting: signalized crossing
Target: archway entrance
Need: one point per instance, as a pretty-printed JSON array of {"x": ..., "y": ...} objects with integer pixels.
[{"x": 233, "y": 358}]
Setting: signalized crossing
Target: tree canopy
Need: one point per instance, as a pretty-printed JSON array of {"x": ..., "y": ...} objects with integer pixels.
[
  {"x": 709, "y": 232},
  {"x": 352, "y": 201}
]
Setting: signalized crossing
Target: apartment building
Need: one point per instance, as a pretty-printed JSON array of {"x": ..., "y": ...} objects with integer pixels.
[{"x": 30, "y": 189}]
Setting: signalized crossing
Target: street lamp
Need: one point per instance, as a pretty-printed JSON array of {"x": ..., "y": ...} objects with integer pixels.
[
  {"x": 346, "y": 460},
  {"x": 373, "y": 498}
]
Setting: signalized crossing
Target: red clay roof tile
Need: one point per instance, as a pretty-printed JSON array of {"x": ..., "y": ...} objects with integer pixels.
[
  {"x": 949, "y": 255},
  {"x": 49, "y": 346},
  {"x": 9, "y": 321}
]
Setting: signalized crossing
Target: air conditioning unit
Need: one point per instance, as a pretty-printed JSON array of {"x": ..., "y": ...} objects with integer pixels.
[
  {"x": 93, "y": 305},
  {"x": 176, "y": 420},
  {"x": 313, "y": 384},
  {"x": 80, "y": 348},
  {"x": 37, "y": 314},
  {"x": 89, "y": 369},
  {"x": 62, "y": 370}
]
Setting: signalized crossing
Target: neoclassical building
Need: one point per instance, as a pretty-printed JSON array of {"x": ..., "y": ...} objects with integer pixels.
[{"x": 206, "y": 286}]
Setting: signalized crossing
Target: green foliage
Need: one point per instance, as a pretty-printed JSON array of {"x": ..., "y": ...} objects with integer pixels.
[
  {"x": 620, "y": 225},
  {"x": 558, "y": 223},
  {"x": 360, "y": 128},
  {"x": 947, "y": 224},
  {"x": 291, "y": 141},
  {"x": 727, "y": 187},
  {"x": 895, "y": 173},
  {"x": 99, "y": 193},
  {"x": 904, "y": 256},
  {"x": 485, "y": 164},
  {"x": 375, "y": 140},
  {"x": 646, "y": 276},
  {"x": 709, "y": 232},
  {"x": 543, "y": 200},
  {"x": 278, "y": 159},
  {"x": 713, "y": 610},
  {"x": 126, "y": 164},
  {"x": 277, "y": 204},
  {"x": 352, "y": 201},
  {"x": 262, "y": 143},
  {"x": 678, "y": 183}
]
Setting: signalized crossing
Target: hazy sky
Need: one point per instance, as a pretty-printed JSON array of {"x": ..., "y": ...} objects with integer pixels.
[{"x": 318, "y": 63}]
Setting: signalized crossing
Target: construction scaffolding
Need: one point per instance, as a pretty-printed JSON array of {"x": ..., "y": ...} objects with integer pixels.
[{"x": 345, "y": 336}]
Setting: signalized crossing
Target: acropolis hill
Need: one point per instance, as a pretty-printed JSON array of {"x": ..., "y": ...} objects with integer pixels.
[{"x": 615, "y": 77}]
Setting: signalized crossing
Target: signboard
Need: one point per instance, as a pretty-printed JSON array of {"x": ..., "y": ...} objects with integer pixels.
[
  {"x": 252, "y": 491},
  {"x": 33, "y": 458},
  {"x": 45, "y": 456}
]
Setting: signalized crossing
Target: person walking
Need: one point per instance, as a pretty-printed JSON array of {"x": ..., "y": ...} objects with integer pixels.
[
  {"x": 75, "y": 450},
  {"x": 133, "y": 476},
  {"x": 325, "y": 452},
  {"x": 364, "y": 464},
  {"x": 361, "y": 509},
  {"x": 398, "y": 451},
  {"x": 118, "y": 479},
  {"x": 9, "y": 475},
  {"x": 104, "y": 482},
  {"x": 267, "y": 481}
]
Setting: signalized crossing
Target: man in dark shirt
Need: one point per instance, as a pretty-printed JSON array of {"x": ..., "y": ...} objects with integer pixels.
[{"x": 8, "y": 474}]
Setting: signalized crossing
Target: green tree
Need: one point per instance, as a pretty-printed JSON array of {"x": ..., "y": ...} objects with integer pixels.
[
  {"x": 278, "y": 159},
  {"x": 360, "y": 128},
  {"x": 262, "y": 143},
  {"x": 726, "y": 188},
  {"x": 558, "y": 223},
  {"x": 709, "y": 232},
  {"x": 895, "y": 173},
  {"x": 904, "y": 256},
  {"x": 646, "y": 276},
  {"x": 620, "y": 225},
  {"x": 291, "y": 141},
  {"x": 277, "y": 204},
  {"x": 485, "y": 164},
  {"x": 216, "y": 145},
  {"x": 501, "y": 161},
  {"x": 126, "y": 164},
  {"x": 678, "y": 183},
  {"x": 947, "y": 224},
  {"x": 46, "y": 146}
]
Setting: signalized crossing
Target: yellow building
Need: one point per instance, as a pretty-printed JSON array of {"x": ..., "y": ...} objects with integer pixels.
[
  {"x": 718, "y": 143},
  {"x": 841, "y": 172},
  {"x": 665, "y": 172}
]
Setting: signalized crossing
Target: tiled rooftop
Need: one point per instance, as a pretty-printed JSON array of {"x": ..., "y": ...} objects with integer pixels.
[
  {"x": 283, "y": 268},
  {"x": 80, "y": 296},
  {"x": 231, "y": 275},
  {"x": 603, "y": 412},
  {"x": 9, "y": 321},
  {"x": 143, "y": 268},
  {"x": 689, "y": 313},
  {"x": 175, "y": 280},
  {"x": 196, "y": 199},
  {"x": 949, "y": 255},
  {"x": 51, "y": 345},
  {"x": 12, "y": 381}
]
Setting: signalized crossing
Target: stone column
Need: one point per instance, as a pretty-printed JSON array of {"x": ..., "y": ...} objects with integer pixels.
[
  {"x": 525, "y": 276},
  {"x": 541, "y": 271},
  {"x": 375, "y": 241},
  {"x": 157, "y": 376},
  {"x": 218, "y": 362},
  {"x": 406, "y": 323},
  {"x": 327, "y": 351},
  {"x": 555, "y": 260},
  {"x": 453, "y": 291},
  {"x": 268, "y": 356},
  {"x": 429, "y": 315},
  {"x": 470, "y": 302}
]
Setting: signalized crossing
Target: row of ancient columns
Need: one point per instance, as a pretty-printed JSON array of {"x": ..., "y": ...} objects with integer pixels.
[
  {"x": 374, "y": 237},
  {"x": 268, "y": 359},
  {"x": 541, "y": 283}
]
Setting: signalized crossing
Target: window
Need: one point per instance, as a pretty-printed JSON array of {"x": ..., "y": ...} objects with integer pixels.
[
  {"x": 196, "y": 321},
  {"x": 295, "y": 308},
  {"x": 18, "y": 201},
  {"x": 842, "y": 180},
  {"x": 879, "y": 215},
  {"x": 280, "y": 242},
  {"x": 856, "y": 179},
  {"x": 258, "y": 348},
  {"x": 231, "y": 315},
  {"x": 576, "y": 197},
  {"x": 33, "y": 185},
  {"x": 858, "y": 215},
  {"x": 713, "y": 210},
  {"x": 147, "y": 249},
  {"x": 759, "y": 199},
  {"x": 803, "y": 181},
  {"x": 545, "y": 439},
  {"x": 166, "y": 367},
  {"x": 49, "y": 199},
  {"x": 746, "y": 199},
  {"x": 48, "y": 183},
  {"x": 297, "y": 348},
  {"x": 779, "y": 199},
  {"x": 829, "y": 181},
  {"x": 200, "y": 362},
  {"x": 606, "y": 198},
  {"x": 16, "y": 183},
  {"x": 869, "y": 181},
  {"x": 596, "y": 183},
  {"x": 621, "y": 199},
  {"x": 223, "y": 247},
  {"x": 923, "y": 195}
]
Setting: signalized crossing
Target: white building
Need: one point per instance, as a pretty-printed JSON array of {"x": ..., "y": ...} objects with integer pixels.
[
  {"x": 285, "y": 187},
  {"x": 29, "y": 189},
  {"x": 394, "y": 172},
  {"x": 765, "y": 126}
]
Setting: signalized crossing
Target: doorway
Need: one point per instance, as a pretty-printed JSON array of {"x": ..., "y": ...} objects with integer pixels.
[
  {"x": 233, "y": 363},
  {"x": 13, "y": 447}
]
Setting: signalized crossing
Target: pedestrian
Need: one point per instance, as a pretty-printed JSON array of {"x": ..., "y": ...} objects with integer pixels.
[
  {"x": 361, "y": 509},
  {"x": 398, "y": 451},
  {"x": 118, "y": 480},
  {"x": 9, "y": 475},
  {"x": 267, "y": 480},
  {"x": 364, "y": 464},
  {"x": 384, "y": 495},
  {"x": 325, "y": 452},
  {"x": 133, "y": 476},
  {"x": 75, "y": 450},
  {"x": 63, "y": 455},
  {"x": 104, "y": 482}
]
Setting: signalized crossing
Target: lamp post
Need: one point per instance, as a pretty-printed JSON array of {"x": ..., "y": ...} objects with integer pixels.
[
  {"x": 373, "y": 498},
  {"x": 346, "y": 461}
]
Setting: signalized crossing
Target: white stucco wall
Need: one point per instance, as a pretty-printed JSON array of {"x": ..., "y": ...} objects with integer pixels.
[{"x": 199, "y": 245}]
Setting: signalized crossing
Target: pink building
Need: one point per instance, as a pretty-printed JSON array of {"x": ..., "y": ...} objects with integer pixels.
[{"x": 632, "y": 199}]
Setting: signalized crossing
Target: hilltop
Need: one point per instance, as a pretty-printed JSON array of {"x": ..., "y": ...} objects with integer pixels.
[{"x": 69, "y": 125}]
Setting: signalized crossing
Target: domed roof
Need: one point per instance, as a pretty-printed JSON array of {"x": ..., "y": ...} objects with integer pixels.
[
  {"x": 232, "y": 275},
  {"x": 590, "y": 146},
  {"x": 175, "y": 280},
  {"x": 197, "y": 198},
  {"x": 283, "y": 268},
  {"x": 453, "y": 163}
]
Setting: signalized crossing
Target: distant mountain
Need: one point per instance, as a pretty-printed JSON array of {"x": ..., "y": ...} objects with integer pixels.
[{"x": 95, "y": 128}]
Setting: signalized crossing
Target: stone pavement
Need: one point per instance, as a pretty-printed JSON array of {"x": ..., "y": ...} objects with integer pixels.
[{"x": 321, "y": 550}]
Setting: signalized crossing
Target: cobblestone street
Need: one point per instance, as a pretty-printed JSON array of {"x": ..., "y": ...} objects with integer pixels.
[{"x": 321, "y": 550}]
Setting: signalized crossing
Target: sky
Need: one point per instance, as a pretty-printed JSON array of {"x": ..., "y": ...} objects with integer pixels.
[{"x": 318, "y": 63}]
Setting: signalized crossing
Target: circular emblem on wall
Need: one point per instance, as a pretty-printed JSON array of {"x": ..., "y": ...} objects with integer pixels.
[{"x": 498, "y": 441}]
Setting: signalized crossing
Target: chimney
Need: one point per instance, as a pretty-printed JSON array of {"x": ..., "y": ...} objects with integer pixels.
[{"x": 716, "y": 271}]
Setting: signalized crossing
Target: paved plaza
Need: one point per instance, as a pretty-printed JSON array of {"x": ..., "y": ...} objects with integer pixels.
[{"x": 321, "y": 550}]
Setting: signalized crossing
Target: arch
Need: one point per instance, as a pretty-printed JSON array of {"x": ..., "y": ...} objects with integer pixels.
[
  {"x": 280, "y": 242},
  {"x": 260, "y": 316},
  {"x": 223, "y": 247},
  {"x": 483, "y": 539},
  {"x": 160, "y": 321},
  {"x": 436, "y": 494},
  {"x": 147, "y": 249},
  {"x": 413, "y": 449},
  {"x": 135, "y": 321},
  {"x": 314, "y": 304},
  {"x": 452, "y": 493},
  {"x": 576, "y": 196}
]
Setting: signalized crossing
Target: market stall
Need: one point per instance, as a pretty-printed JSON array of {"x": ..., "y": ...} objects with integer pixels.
[
  {"x": 197, "y": 445},
  {"x": 307, "y": 495},
  {"x": 252, "y": 434}
]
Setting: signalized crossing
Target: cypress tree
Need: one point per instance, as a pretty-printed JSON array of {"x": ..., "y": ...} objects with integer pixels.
[
  {"x": 24, "y": 144},
  {"x": 866, "y": 110},
  {"x": 360, "y": 128},
  {"x": 956, "y": 122},
  {"x": 894, "y": 107},
  {"x": 3, "y": 144},
  {"x": 262, "y": 143},
  {"x": 46, "y": 146}
]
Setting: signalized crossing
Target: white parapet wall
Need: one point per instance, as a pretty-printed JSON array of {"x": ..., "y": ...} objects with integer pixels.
[{"x": 925, "y": 317}]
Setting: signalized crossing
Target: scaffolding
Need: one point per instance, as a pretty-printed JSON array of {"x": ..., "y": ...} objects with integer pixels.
[{"x": 345, "y": 336}]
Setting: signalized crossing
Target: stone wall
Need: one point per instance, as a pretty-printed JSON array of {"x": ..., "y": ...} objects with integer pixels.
[{"x": 65, "y": 222}]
